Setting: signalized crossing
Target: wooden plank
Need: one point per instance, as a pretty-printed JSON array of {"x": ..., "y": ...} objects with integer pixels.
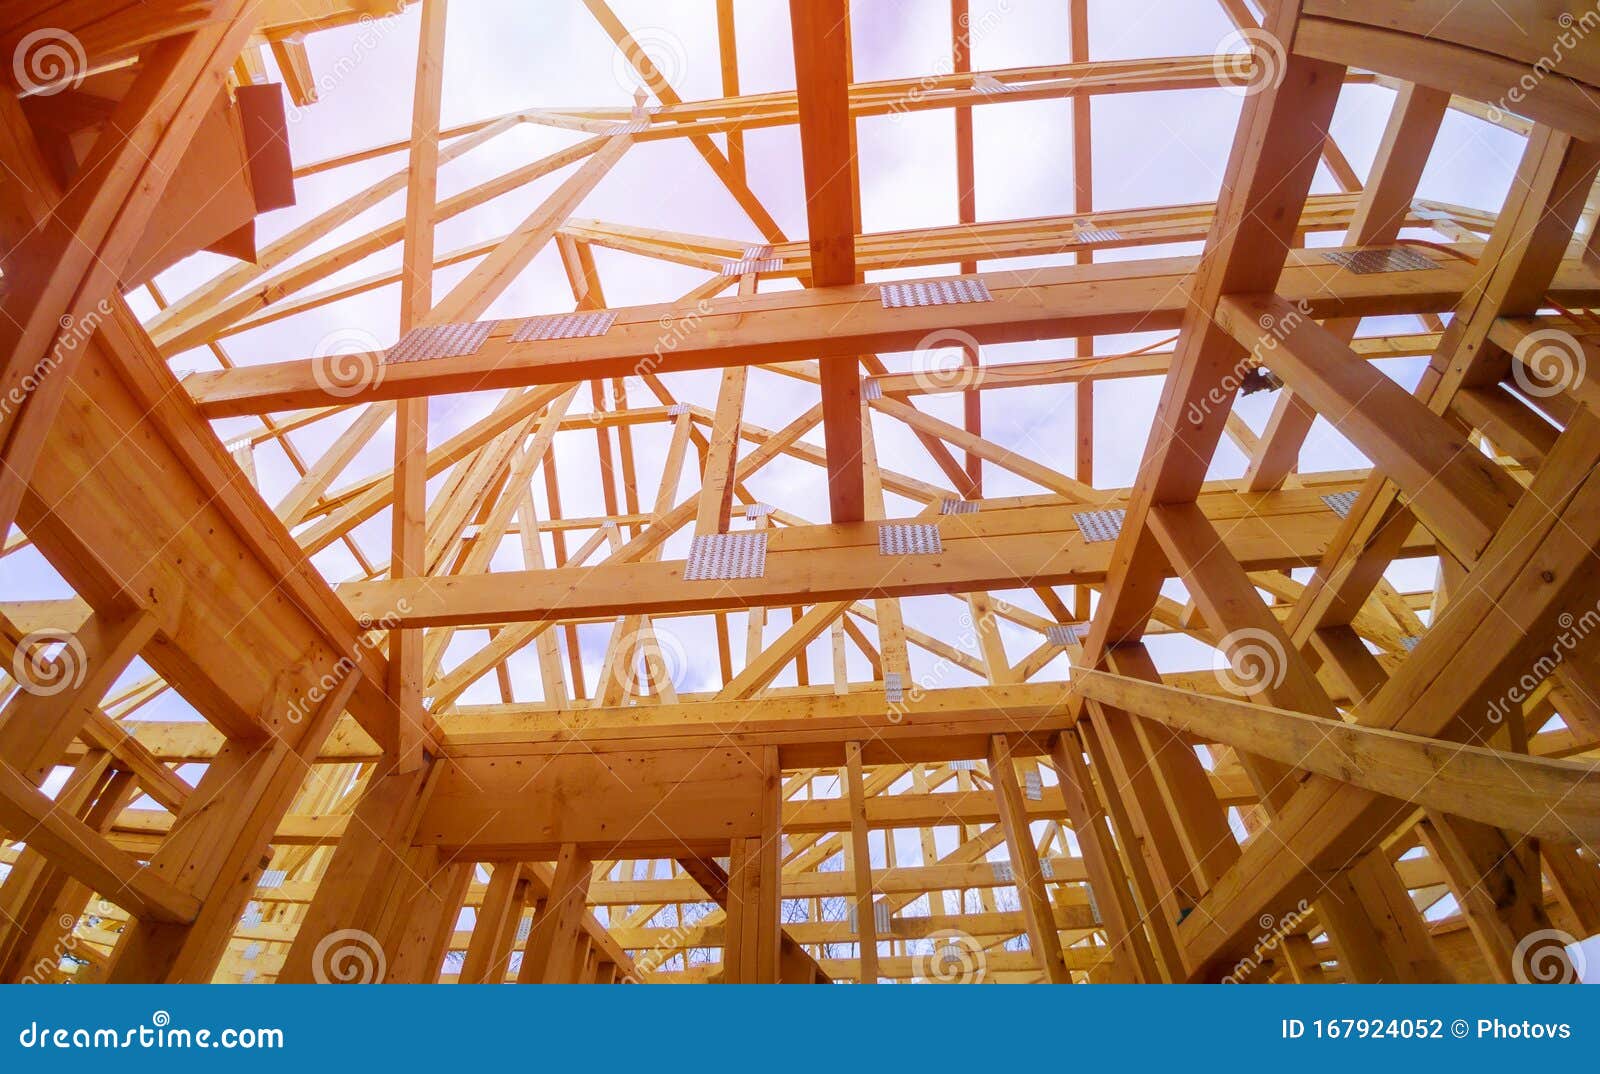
[
  {"x": 1403, "y": 152},
  {"x": 1550, "y": 799},
  {"x": 859, "y": 862},
  {"x": 66, "y": 269},
  {"x": 998, "y": 550},
  {"x": 408, "y": 530},
  {"x": 1043, "y": 939},
  {"x": 85, "y": 854},
  {"x": 1453, "y": 489},
  {"x": 555, "y": 945},
  {"x": 850, "y": 320},
  {"x": 827, "y": 148}
]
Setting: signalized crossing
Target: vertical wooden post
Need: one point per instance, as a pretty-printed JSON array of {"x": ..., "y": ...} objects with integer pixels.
[
  {"x": 364, "y": 890},
  {"x": 494, "y": 935},
  {"x": 409, "y": 533},
  {"x": 555, "y": 946},
  {"x": 1496, "y": 880},
  {"x": 1107, "y": 881},
  {"x": 1037, "y": 911},
  {"x": 753, "y": 930},
  {"x": 217, "y": 850},
  {"x": 859, "y": 861},
  {"x": 1576, "y": 882}
]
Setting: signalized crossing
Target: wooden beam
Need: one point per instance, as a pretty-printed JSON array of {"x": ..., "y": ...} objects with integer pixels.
[
  {"x": 62, "y": 275},
  {"x": 827, "y": 149},
  {"x": 1043, "y": 939},
  {"x": 810, "y": 564},
  {"x": 859, "y": 861},
  {"x": 29, "y": 816}
]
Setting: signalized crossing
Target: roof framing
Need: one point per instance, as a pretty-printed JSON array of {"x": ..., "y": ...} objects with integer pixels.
[{"x": 380, "y": 750}]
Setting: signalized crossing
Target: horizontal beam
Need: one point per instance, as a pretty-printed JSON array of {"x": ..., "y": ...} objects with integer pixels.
[
  {"x": 1001, "y": 549},
  {"x": 1057, "y": 303},
  {"x": 812, "y": 817},
  {"x": 1482, "y": 61},
  {"x": 999, "y": 239}
]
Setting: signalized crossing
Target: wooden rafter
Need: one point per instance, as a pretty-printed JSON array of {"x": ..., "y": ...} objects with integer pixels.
[{"x": 565, "y": 715}]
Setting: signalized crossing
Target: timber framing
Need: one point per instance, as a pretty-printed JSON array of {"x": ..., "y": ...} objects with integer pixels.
[{"x": 330, "y": 677}]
